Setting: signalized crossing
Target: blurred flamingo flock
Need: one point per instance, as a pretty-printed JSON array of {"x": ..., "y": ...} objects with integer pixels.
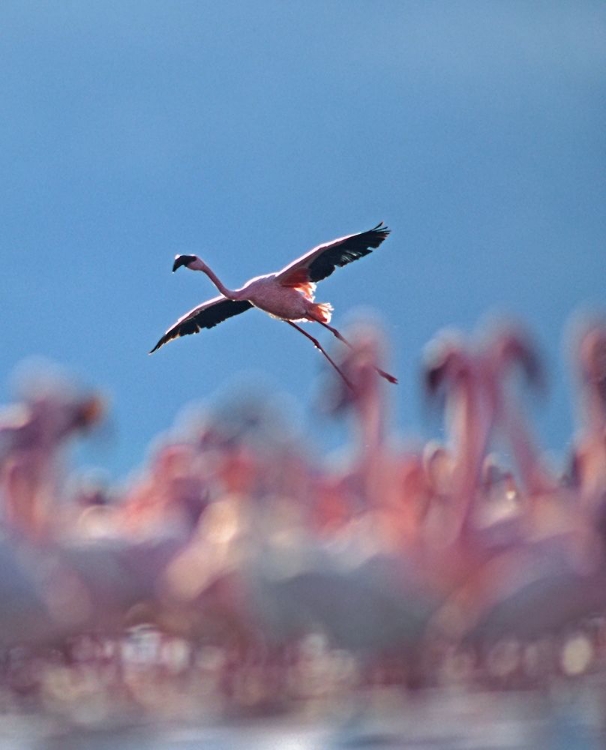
[{"x": 240, "y": 571}]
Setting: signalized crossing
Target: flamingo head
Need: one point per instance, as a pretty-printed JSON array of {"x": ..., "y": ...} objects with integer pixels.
[
  {"x": 184, "y": 260},
  {"x": 512, "y": 345},
  {"x": 446, "y": 360},
  {"x": 88, "y": 411}
]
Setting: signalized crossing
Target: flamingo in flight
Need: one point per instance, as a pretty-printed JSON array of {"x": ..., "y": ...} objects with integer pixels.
[{"x": 287, "y": 294}]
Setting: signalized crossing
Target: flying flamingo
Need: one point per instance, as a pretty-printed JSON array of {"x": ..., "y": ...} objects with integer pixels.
[{"x": 287, "y": 295}]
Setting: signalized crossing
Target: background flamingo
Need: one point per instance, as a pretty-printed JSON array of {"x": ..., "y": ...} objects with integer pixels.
[{"x": 589, "y": 452}]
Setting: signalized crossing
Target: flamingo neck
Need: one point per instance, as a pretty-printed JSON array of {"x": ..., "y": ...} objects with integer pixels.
[
  {"x": 534, "y": 474},
  {"x": 595, "y": 407},
  {"x": 370, "y": 422},
  {"x": 470, "y": 431},
  {"x": 198, "y": 265}
]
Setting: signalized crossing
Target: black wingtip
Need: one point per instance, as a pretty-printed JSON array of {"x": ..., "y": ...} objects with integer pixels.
[{"x": 382, "y": 228}]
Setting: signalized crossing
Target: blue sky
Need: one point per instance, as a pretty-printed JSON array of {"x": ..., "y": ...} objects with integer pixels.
[{"x": 249, "y": 132}]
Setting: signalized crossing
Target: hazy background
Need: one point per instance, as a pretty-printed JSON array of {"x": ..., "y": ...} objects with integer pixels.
[{"x": 249, "y": 132}]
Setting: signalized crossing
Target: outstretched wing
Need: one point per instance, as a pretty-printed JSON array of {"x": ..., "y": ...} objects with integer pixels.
[
  {"x": 206, "y": 315},
  {"x": 320, "y": 262}
]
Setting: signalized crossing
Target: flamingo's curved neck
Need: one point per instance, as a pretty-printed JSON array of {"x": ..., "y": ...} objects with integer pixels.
[
  {"x": 470, "y": 431},
  {"x": 370, "y": 421},
  {"x": 232, "y": 294}
]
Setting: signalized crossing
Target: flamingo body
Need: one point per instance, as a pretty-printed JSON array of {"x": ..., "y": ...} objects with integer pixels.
[{"x": 281, "y": 301}]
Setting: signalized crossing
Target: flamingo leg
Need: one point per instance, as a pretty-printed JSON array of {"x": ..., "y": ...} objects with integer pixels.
[
  {"x": 340, "y": 336},
  {"x": 317, "y": 344}
]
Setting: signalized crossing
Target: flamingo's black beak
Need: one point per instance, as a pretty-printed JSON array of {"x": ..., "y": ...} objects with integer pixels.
[
  {"x": 433, "y": 377},
  {"x": 182, "y": 260}
]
